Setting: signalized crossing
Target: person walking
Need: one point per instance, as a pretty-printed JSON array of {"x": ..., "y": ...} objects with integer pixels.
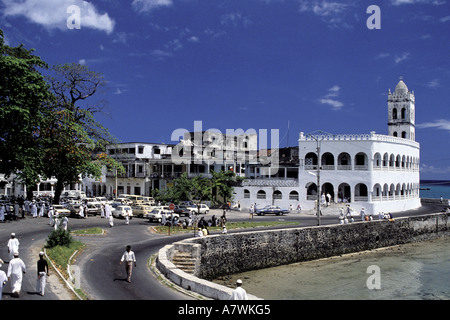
[
  {"x": 50, "y": 215},
  {"x": 16, "y": 269},
  {"x": 64, "y": 222},
  {"x": 42, "y": 274},
  {"x": 33, "y": 209},
  {"x": 3, "y": 279},
  {"x": 130, "y": 259},
  {"x": 111, "y": 221},
  {"x": 13, "y": 245},
  {"x": 239, "y": 293}
]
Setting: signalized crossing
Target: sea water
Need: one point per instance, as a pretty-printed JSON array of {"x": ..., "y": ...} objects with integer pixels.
[
  {"x": 437, "y": 189},
  {"x": 411, "y": 271}
]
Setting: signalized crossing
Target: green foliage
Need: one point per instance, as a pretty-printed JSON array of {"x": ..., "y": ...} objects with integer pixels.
[
  {"x": 47, "y": 125},
  {"x": 200, "y": 188},
  {"x": 24, "y": 105},
  {"x": 59, "y": 237}
]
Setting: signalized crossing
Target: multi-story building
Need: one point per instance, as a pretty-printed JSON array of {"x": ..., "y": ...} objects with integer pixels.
[
  {"x": 148, "y": 166},
  {"x": 374, "y": 171}
]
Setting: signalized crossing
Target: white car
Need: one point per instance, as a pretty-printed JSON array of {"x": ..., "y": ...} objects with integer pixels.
[
  {"x": 60, "y": 209},
  {"x": 156, "y": 215},
  {"x": 203, "y": 208},
  {"x": 121, "y": 211},
  {"x": 141, "y": 211}
]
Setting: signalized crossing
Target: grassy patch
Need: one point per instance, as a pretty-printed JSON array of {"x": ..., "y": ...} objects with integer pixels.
[
  {"x": 60, "y": 255},
  {"x": 90, "y": 231}
]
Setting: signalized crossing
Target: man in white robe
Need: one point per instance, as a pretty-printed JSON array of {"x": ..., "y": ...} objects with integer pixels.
[
  {"x": 33, "y": 210},
  {"x": 16, "y": 269},
  {"x": 3, "y": 279},
  {"x": 81, "y": 213},
  {"x": 13, "y": 245},
  {"x": 239, "y": 293},
  {"x": 107, "y": 210},
  {"x": 42, "y": 210},
  {"x": 64, "y": 222},
  {"x": 50, "y": 215}
]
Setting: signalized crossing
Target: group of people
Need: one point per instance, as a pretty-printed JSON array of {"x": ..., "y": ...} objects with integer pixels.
[
  {"x": 16, "y": 269},
  {"x": 345, "y": 215}
]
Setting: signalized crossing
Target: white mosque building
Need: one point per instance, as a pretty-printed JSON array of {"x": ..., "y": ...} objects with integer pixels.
[{"x": 379, "y": 173}]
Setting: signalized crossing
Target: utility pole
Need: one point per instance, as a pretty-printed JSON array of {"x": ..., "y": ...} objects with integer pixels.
[
  {"x": 318, "y": 181},
  {"x": 318, "y": 139}
]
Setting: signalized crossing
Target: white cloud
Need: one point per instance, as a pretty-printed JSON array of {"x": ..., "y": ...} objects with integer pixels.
[
  {"x": 328, "y": 99},
  {"x": 52, "y": 14},
  {"x": 149, "y": 5},
  {"x": 433, "y": 2},
  {"x": 442, "y": 124},
  {"x": 433, "y": 83},
  {"x": 322, "y": 8},
  {"x": 424, "y": 168},
  {"x": 402, "y": 57},
  {"x": 194, "y": 39},
  {"x": 331, "y": 12},
  {"x": 235, "y": 19},
  {"x": 383, "y": 55}
]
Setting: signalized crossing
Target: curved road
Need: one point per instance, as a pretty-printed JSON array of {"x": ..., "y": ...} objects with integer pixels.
[{"x": 102, "y": 278}]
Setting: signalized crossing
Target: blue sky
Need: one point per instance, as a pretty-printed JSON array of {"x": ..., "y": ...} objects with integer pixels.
[{"x": 251, "y": 64}]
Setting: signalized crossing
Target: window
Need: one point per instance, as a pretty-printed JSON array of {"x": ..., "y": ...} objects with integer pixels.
[
  {"x": 261, "y": 194},
  {"x": 394, "y": 114},
  {"x": 293, "y": 195},
  {"x": 404, "y": 135},
  {"x": 277, "y": 195},
  {"x": 246, "y": 194},
  {"x": 403, "y": 113},
  {"x": 140, "y": 150}
]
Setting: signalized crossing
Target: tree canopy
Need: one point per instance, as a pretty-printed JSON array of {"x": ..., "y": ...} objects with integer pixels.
[{"x": 47, "y": 124}]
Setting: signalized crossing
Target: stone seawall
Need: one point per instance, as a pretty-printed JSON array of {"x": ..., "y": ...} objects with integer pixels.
[{"x": 234, "y": 253}]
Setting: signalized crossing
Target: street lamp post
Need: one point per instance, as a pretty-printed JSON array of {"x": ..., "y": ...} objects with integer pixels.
[{"x": 318, "y": 141}]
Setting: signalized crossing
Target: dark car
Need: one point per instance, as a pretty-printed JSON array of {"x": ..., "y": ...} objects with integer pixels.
[
  {"x": 271, "y": 210},
  {"x": 182, "y": 210}
]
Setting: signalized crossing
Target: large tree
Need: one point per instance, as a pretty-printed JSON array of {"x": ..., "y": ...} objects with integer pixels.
[
  {"x": 24, "y": 106},
  {"x": 75, "y": 141},
  {"x": 47, "y": 127}
]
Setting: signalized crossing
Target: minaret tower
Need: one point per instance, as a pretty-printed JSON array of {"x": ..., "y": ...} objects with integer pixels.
[{"x": 401, "y": 109}]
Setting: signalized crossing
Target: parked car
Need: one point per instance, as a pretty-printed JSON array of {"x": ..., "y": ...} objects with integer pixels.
[
  {"x": 182, "y": 210},
  {"x": 157, "y": 214},
  {"x": 60, "y": 209},
  {"x": 203, "y": 208},
  {"x": 141, "y": 211},
  {"x": 121, "y": 211},
  {"x": 74, "y": 209},
  {"x": 93, "y": 208},
  {"x": 271, "y": 210}
]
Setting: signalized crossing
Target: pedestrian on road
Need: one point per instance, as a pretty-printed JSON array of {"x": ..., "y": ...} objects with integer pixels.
[
  {"x": 50, "y": 215},
  {"x": 13, "y": 246},
  {"x": 42, "y": 274},
  {"x": 16, "y": 269},
  {"x": 34, "y": 209},
  {"x": 111, "y": 221},
  {"x": 239, "y": 293},
  {"x": 3, "y": 279},
  {"x": 130, "y": 259},
  {"x": 81, "y": 213},
  {"x": 64, "y": 222}
]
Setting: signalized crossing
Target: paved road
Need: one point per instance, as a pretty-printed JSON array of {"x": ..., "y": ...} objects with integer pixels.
[{"x": 102, "y": 278}]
